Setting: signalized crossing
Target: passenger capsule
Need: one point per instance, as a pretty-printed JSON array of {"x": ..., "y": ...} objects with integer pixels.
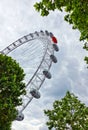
[
  {"x": 36, "y": 33},
  {"x": 31, "y": 35},
  {"x": 47, "y": 33},
  {"x": 51, "y": 35},
  {"x": 20, "y": 116},
  {"x": 55, "y": 47},
  {"x": 54, "y": 40},
  {"x": 53, "y": 58},
  {"x": 42, "y": 33},
  {"x": 35, "y": 93},
  {"x": 47, "y": 74}
]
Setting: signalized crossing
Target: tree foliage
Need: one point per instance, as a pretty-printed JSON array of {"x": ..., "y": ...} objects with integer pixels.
[
  {"x": 68, "y": 113},
  {"x": 77, "y": 14},
  {"x": 11, "y": 87}
]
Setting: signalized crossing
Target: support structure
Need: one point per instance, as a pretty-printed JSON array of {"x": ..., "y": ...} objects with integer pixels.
[{"x": 42, "y": 71}]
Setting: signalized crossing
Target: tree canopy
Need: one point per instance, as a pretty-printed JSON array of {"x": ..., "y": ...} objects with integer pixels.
[
  {"x": 68, "y": 113},
  {"x": 77, "y": 14},
  {"x": 11, "y": 88}
]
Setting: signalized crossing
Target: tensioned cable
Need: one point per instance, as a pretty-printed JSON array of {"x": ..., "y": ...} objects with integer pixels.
[{"x": 33, "y": 53}]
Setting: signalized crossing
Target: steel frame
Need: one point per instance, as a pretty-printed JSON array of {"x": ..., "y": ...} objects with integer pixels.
[{"x": 38, "y": 77}]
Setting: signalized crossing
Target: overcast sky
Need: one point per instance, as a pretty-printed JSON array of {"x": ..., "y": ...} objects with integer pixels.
[{"x": 18, "y": 18}]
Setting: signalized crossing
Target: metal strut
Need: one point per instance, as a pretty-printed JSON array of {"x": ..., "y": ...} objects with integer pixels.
[{"x": 41, "y": 72}]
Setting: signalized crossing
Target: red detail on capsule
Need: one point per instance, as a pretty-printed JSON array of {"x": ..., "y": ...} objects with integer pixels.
[{"x": 54, "y": 40}]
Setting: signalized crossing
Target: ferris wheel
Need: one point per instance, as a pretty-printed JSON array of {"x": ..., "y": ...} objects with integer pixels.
[{"x": 35, "y": 53}]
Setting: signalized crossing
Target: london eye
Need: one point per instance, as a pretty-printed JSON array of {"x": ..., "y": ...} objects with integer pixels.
[{"x": 35, "y": 52}]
